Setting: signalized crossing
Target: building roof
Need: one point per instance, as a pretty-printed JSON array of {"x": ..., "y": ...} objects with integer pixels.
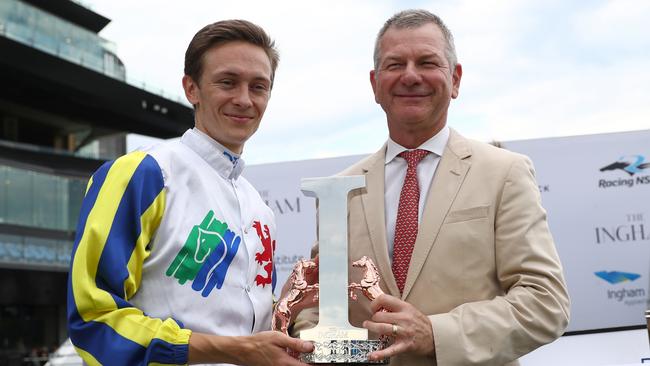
[{"x": 73, "y": 12}]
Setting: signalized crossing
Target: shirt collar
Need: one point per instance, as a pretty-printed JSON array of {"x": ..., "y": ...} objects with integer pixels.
[
  {"x": 225, "y": 162},
  {"x": 435, "y": 144}
]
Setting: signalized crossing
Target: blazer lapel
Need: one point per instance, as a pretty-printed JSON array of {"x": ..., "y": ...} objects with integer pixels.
[
  {"x": 373, "y": 209},
  {"x": 447, "y": 180}
]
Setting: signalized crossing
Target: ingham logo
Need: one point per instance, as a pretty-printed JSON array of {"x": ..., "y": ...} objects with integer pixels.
[
  {"x": 620, "y": 290},
  {"x": 615, "y": 277}
]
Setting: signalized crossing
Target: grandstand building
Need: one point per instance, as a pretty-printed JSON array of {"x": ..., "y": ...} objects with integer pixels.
[{"x": 66, "y": 106}]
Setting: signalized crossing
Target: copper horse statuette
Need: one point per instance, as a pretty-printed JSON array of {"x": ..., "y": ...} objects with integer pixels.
[{"x": 299, "y": 290}]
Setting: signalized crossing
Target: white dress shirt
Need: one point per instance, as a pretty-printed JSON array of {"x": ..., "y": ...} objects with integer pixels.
[{"x": 395, "y": 172}]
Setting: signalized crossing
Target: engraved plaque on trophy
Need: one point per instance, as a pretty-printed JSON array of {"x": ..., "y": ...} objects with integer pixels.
[{"x": 335, "y": 339}]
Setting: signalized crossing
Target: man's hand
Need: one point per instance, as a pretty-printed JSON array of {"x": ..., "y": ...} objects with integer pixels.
[
  {"x": 261, "y": 349},
  {"x": 410, "y": 329}
]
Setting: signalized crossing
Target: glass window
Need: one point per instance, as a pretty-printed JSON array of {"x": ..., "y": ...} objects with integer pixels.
[
  {"x": 3, "y": 193},
  {"x": 30, "y": 198},
  {"x": 76, "y": 193},
  {"x": 19, "y": 197}
]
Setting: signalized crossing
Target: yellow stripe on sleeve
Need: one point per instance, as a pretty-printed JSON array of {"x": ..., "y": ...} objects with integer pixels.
[
  {"x": 87, "y": 357},
  {"x": 130, "y": 323},
  {"x": 90, "y": 183},
  {"x": 149, "y": 223}
]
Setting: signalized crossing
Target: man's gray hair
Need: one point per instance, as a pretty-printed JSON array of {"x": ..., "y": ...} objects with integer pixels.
[{"x": 414, "y": 18}]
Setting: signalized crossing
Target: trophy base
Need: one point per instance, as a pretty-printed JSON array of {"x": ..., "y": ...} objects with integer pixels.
[{"x": 344, "y": 351}]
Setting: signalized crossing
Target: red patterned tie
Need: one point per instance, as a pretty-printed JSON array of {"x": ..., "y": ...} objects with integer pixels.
[{"x": 406, "y": 226}]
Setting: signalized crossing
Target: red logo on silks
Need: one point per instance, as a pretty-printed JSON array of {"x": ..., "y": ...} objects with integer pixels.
[{"x": 265, "y": 257}]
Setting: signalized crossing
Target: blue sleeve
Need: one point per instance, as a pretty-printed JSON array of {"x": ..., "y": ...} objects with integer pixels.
[{"x": 121, "y": 211}]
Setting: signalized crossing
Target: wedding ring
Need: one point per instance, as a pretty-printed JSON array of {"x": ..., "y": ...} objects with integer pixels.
[{"x": 394, "y": 330}]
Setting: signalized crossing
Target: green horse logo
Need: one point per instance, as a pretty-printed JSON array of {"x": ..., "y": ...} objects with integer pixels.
[{"x": 201, "y": 242}]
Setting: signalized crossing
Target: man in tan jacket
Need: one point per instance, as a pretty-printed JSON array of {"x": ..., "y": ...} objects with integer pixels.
[{"x": 455, "y": 226}]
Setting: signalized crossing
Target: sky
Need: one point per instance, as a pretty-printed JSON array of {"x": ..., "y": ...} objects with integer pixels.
[{"x": 531, "y": 69}]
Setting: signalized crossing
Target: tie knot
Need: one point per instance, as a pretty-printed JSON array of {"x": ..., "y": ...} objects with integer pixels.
[{"x": 413, "y": 157}]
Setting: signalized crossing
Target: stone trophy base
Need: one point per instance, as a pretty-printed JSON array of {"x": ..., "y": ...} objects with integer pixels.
[{"x": 344, "y": 351}]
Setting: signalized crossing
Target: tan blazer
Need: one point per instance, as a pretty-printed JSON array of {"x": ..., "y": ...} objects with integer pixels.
[{"x": 484, "y": 267}]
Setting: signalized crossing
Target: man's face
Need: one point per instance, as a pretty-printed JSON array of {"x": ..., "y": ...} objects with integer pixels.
[
  {"x": 232, "y": 92},
  {"x": 414, "y": 83}
]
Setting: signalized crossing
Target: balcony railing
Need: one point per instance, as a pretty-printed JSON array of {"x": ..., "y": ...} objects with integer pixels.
[
  {"x": 36, "y": 28},
  {"x": 46, "y": 32},
  {"x": 24, "y": 251}
]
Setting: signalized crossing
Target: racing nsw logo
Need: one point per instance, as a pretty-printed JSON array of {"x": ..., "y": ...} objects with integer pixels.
[
  {"x": 631, "y": 164},
  {"x": 206, "y": 256},
  {"x": 265, "y": 257}
]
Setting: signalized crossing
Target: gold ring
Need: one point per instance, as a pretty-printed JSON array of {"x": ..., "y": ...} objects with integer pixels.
[{"x": 394, "y": 330}]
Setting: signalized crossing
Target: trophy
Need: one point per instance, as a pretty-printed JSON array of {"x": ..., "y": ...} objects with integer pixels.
[{"x": 335, "y": 339}]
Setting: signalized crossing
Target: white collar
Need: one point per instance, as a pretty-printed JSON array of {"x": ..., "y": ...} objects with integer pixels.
[
  {"x": 225, "y": 162},
  {"x": 435, "y": 144}
]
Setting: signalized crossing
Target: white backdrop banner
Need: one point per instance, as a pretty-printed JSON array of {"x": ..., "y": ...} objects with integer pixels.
[{"x": 596, "y": 189}]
